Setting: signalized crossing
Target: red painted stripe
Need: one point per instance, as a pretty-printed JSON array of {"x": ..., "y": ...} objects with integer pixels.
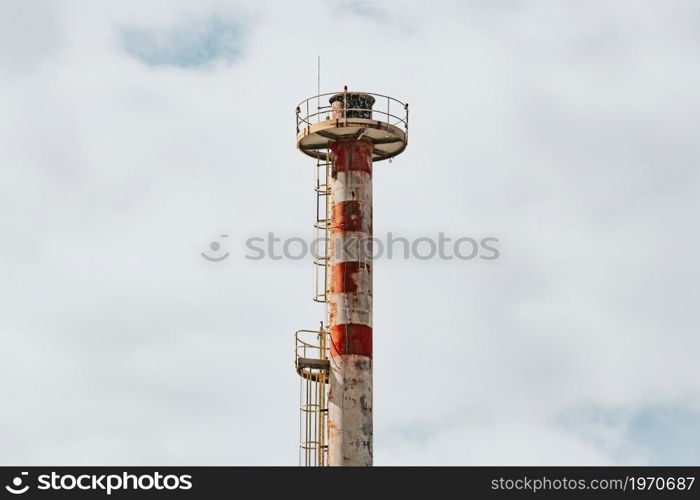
[
  {"x": 350, "y": 216},
  {"x": 351, "y": 154},
  {"x": 345, "y": 276},
  {"x": 351, "y": 339}
]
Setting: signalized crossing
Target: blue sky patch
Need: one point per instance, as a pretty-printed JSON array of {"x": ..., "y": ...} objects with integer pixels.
[
  {"x": 188, "y": 45},
  {"x": 664, "y": 435},
  {"x": 361, "y": 8}
]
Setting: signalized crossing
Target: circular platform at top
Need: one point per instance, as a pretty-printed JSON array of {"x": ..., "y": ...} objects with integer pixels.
[{"x": 352, "y": 115}]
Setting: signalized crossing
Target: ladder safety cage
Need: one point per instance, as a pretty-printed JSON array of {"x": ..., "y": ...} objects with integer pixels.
[
  {"x": 321, "y": 243},
  {"x": 313, "y": 366}
]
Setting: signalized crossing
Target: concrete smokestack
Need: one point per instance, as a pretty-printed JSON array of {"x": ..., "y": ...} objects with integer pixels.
[
  {"x": 350, "y": 304},
  {"x": 349, "y": 135}
]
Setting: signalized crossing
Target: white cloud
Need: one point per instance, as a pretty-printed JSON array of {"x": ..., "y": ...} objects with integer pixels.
[{"x": 565, "y": 130}]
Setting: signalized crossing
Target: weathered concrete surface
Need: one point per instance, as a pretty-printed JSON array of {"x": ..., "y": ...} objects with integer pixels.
[{"x": 350, "y": 305}]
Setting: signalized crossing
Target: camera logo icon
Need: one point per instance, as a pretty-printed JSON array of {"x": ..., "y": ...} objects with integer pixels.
[{"x": 16, "y": 488}]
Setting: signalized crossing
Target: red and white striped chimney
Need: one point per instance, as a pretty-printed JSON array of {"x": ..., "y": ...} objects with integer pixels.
[
  {"x": 350, "y": 304},
  {"x": 352, "y": 136}
]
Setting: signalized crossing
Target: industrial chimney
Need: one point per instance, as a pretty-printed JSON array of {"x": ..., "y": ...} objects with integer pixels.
[{"x": 345, "y": 137}]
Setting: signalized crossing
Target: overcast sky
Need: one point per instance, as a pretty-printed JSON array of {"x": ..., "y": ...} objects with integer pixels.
[{"x": 134, "y": 133}]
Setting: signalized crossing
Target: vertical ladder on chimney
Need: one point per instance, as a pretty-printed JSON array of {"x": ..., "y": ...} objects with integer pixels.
[
  {"x": 313, "y": 367},
  {"x": 321, "y": 244},
  {"x": 312, "y": 346}
]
